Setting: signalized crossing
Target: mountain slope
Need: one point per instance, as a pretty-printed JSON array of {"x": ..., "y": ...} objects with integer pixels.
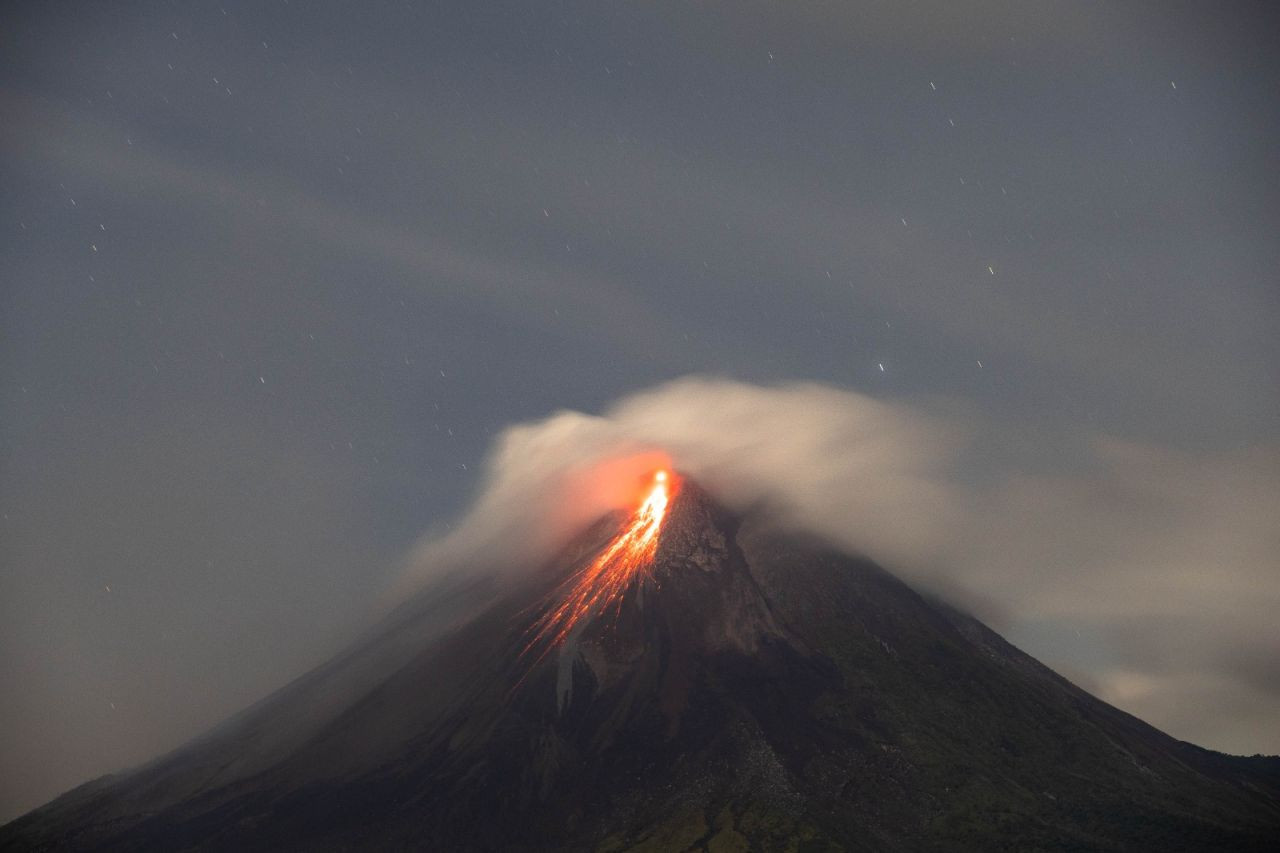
[{"x": 757, "y": 691}]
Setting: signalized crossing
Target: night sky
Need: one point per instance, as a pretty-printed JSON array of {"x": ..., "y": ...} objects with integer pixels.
[{"x": 274, "y": 276}]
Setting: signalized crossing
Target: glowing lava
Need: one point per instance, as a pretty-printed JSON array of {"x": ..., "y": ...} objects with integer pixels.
[{"x": 602, "y": 583}]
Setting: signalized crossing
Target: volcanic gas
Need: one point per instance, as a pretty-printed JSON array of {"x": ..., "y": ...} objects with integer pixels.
[{"x": 601, "y": 584}]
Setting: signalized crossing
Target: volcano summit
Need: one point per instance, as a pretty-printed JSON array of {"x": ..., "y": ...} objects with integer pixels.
[{"x": 719, "y": 686}]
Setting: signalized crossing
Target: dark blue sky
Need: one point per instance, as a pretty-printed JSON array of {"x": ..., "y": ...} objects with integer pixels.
[{"x": 274, "y": 275}]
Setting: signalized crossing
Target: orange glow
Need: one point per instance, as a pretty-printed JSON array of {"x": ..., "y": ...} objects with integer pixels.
[{"x": 628, "y": 557}]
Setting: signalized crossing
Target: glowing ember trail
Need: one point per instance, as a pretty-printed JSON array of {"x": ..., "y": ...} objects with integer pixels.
[{"x": 602, "y": 583}]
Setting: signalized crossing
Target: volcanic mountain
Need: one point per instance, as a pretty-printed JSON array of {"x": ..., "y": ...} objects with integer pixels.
[{"x": 742, "y": 689}]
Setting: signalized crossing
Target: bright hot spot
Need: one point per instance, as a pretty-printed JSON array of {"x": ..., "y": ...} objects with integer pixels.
[{"x": 601, "y": 584}]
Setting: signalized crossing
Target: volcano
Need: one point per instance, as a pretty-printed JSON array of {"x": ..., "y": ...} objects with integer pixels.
[{"x": 750, "y": 689}]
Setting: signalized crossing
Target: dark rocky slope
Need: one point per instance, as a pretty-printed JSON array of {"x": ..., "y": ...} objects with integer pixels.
[{"x": 760, "y": 692}]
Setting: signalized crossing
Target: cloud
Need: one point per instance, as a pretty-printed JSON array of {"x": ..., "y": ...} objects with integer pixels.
[
  {"x": 1163, "y": 562},
  {"x": 588, "y": 305},
  {"x": 864, "y": 473}
]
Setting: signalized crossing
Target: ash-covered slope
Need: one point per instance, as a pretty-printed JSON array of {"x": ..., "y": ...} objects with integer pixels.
[{"x": 758, "y": 691}]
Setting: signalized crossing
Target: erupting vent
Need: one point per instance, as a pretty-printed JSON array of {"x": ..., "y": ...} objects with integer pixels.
[{"x": 601, "y": 584}]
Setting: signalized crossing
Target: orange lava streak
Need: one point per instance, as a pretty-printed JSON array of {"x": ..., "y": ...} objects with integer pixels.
[{"x": 602, "y": 583}]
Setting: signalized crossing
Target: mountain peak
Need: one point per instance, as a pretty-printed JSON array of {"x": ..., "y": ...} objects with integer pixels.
[
  {"x": 696, "y": 532},
  {"x": 698, "y": 599}
]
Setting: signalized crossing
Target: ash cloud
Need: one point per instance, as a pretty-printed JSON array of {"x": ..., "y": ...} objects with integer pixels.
[
  {"x": 866, "y": 474},
  {"x": 1147, "y": 573}
]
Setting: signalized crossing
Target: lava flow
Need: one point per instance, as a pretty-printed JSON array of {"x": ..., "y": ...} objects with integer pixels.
[{"x": 602, "y": 583}]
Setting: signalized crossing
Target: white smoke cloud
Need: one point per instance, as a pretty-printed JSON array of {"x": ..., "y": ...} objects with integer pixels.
[
  {"x": 1162, "y": 563},
  {"x": 869, "y": 475}
]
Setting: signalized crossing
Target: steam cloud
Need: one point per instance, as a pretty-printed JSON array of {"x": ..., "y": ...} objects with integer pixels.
[
  {"x": 865, "y": 474},
  {"x": 1150, "y": 578}
]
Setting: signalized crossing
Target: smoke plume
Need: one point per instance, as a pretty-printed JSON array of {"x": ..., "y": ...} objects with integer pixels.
[{"x": 868, "y": 475}]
